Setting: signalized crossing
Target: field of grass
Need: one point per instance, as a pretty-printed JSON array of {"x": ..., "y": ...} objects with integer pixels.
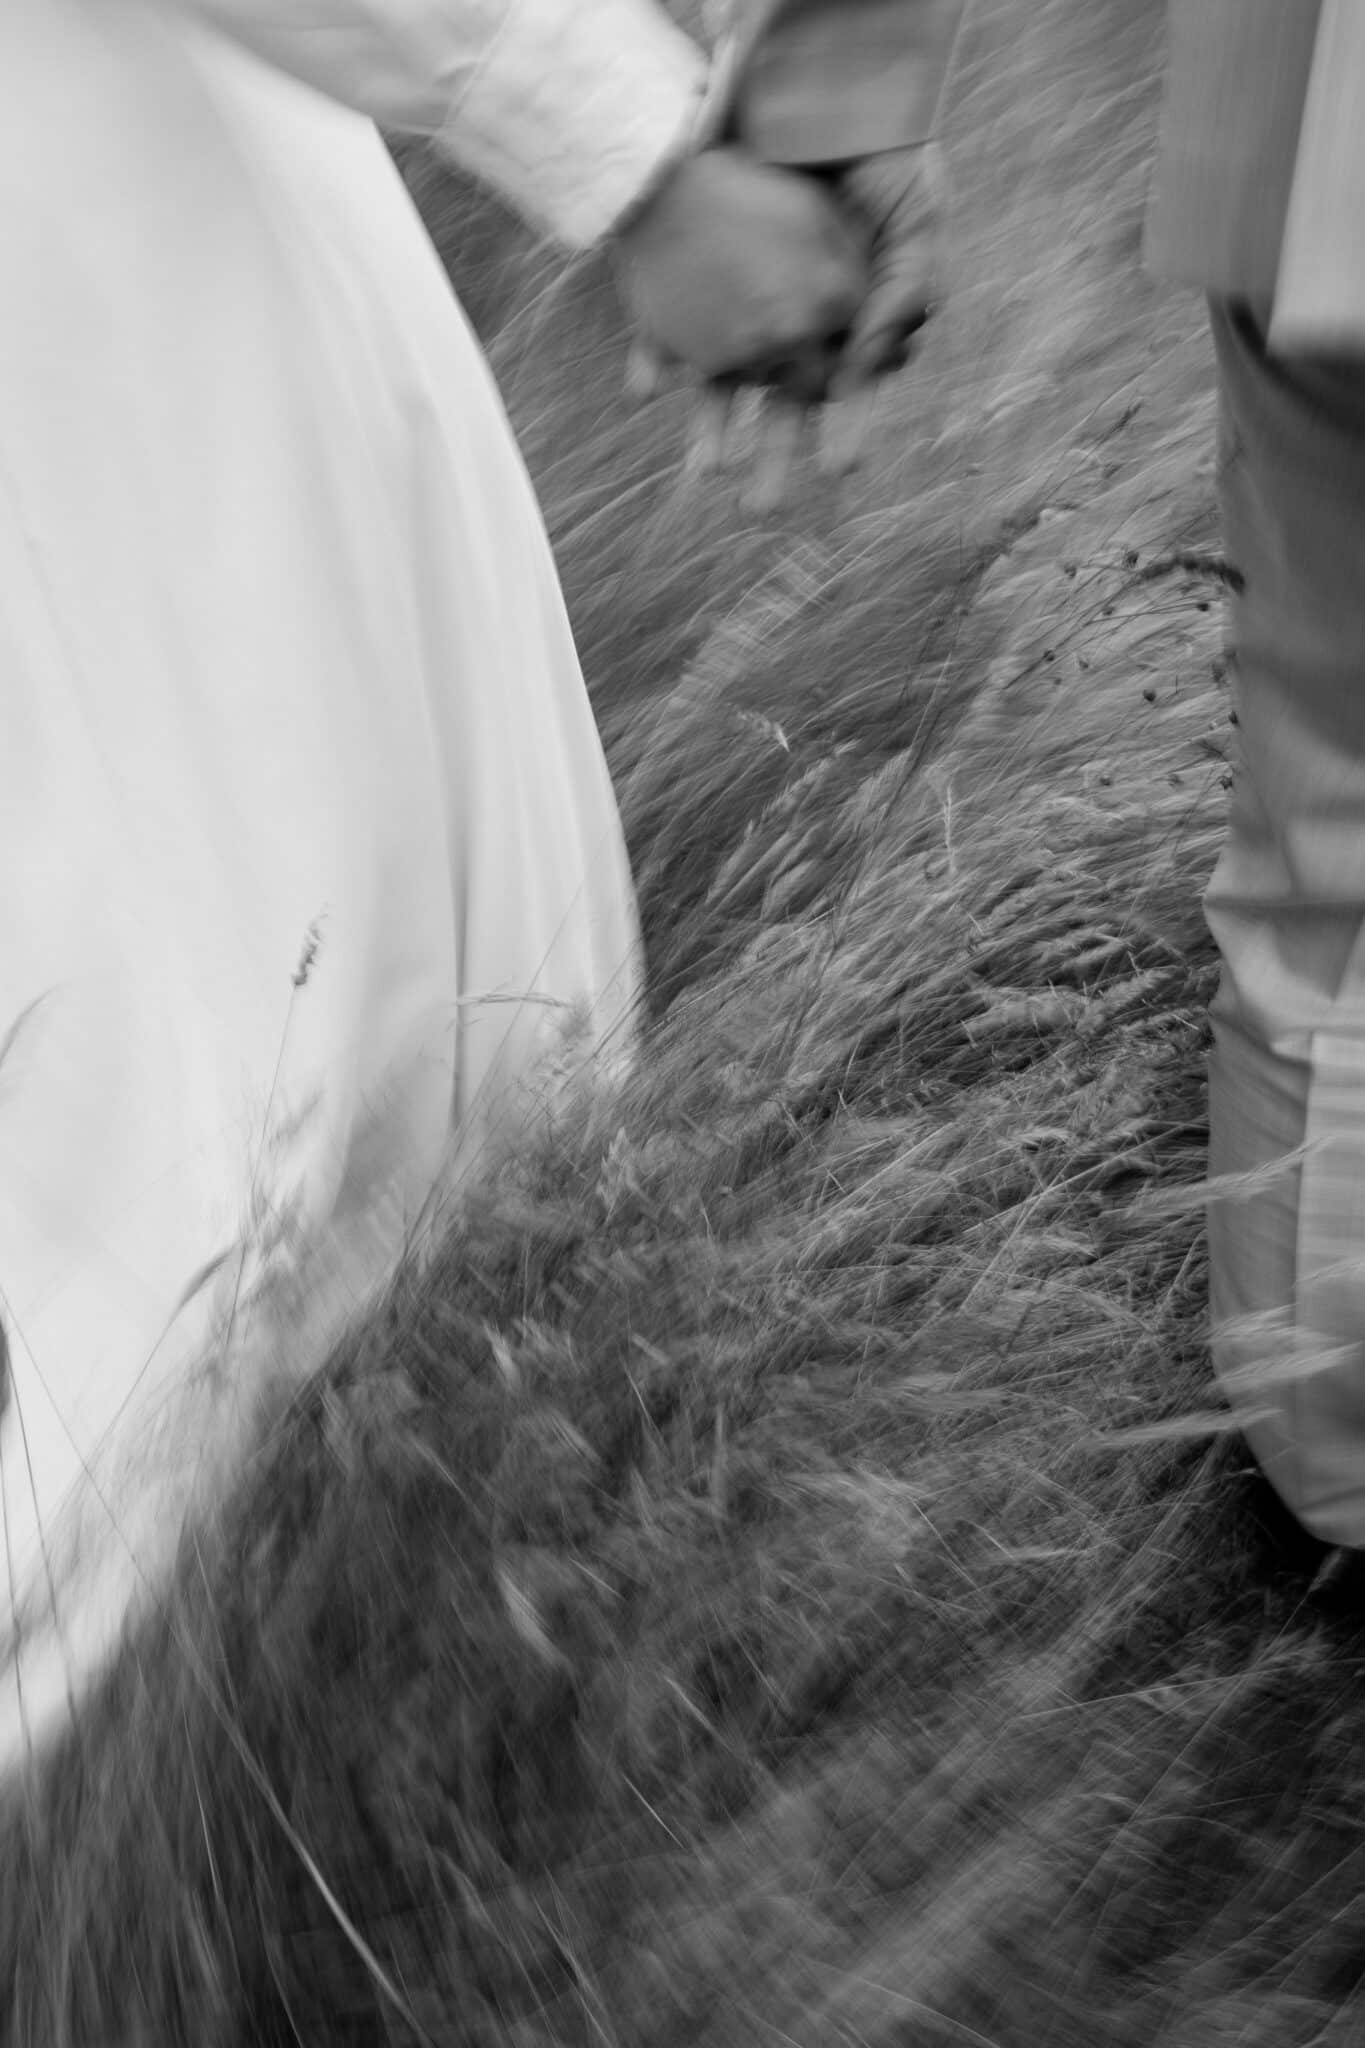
[{"x": 780, "y": 1576}]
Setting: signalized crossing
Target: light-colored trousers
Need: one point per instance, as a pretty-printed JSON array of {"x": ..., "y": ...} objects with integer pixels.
[{"x": 1286, "y": 906}]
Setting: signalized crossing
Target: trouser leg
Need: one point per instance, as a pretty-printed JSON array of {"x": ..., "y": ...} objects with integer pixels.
[{"x": 1286, "y": 906}]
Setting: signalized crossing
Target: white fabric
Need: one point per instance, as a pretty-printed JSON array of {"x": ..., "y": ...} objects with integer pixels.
[
  {"x": 571, "y": 107},
  {"x": 308, "y": 843}
]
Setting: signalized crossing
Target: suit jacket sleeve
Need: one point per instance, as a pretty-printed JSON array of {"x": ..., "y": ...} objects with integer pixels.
[
  {"x": 822, "y": 80},
  {"x": 571, "y": 107}
]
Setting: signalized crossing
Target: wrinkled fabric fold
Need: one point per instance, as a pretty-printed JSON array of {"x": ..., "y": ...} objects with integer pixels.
[{"x": 824, "y": 82}]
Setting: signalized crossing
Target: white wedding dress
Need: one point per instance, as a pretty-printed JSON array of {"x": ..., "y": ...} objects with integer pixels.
[{"x": 309, "y": 850}]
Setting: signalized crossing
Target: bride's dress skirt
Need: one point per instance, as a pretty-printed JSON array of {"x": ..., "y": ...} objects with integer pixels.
[{"x": 308, "y": 847}]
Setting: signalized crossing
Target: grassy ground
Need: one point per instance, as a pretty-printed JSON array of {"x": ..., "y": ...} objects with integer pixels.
[{"x": 776, "y": 1578}]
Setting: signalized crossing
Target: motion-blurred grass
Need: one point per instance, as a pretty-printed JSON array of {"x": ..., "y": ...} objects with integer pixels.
[{"x": 776, "y": 1577}]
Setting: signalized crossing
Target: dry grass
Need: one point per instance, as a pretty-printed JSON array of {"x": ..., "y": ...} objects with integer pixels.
[{"x": 775, "y": 1578}]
